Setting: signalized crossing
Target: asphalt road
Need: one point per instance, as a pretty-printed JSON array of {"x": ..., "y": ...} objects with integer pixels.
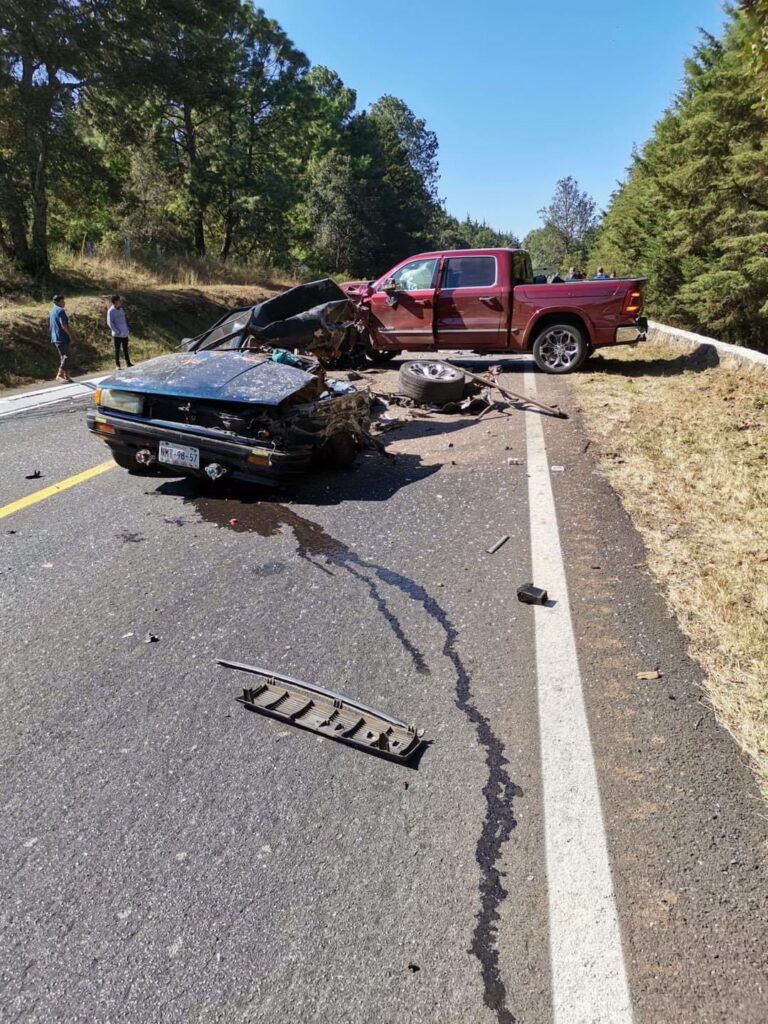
[{"x": 167, "y": 856}]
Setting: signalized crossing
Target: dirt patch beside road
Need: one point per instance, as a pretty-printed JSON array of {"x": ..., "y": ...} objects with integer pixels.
[{"x": 684, "y": 445}]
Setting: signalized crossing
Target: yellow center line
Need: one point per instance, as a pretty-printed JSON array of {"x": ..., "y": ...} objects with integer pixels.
[{"x": 47, "y": 492}]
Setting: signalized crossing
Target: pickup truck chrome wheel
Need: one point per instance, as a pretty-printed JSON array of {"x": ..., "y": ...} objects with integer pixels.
[{"x": 560, "y": 348}]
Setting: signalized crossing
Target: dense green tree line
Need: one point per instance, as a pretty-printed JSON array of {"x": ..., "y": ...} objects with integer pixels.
[
  {"x": 196, "y": 126},
  {"x": 692, "y": 214}
]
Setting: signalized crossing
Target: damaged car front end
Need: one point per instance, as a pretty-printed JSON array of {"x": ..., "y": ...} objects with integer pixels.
[{"x": 237, "y": 413}]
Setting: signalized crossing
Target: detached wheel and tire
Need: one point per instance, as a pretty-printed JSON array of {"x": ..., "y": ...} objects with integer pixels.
[
  {"x": 431, "y": 383},
  {"x": 560, "y": 348}
]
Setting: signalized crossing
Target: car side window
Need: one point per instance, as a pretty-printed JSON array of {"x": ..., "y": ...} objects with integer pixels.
[
  {"x": 469, "y": 272},
  {"x": 416, "y": 275}
]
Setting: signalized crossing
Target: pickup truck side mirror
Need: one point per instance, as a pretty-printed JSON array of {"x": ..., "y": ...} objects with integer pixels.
[{"x": 390, "y": 286}]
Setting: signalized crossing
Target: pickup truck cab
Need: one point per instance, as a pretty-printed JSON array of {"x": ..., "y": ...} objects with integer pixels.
[{"x": 485, "y": 300}]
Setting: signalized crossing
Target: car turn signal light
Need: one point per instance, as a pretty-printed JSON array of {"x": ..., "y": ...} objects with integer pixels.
[{"x": 258, "y": 457}]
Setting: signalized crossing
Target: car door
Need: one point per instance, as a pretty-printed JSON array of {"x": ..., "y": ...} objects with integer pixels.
[
  {"x": 469, "y": 305},
  {"x": 402, "y": 317}
]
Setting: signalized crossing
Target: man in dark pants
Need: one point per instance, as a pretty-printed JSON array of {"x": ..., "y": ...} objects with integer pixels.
[
  {"x": 118, "y": 325},
  {"x": 61, "y": 336}
]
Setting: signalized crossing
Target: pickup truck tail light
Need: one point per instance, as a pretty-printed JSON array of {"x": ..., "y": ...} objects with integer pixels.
[{"x": 633, "y": 302}]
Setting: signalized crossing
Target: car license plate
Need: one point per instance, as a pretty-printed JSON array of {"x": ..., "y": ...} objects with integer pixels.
[{"x": 179, "y": 455}]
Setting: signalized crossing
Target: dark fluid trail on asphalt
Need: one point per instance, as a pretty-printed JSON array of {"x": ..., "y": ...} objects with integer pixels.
[{"x": 267, "y": 519}]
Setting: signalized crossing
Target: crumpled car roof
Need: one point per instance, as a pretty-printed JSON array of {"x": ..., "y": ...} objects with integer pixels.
[{"x": 288, "y": 317}]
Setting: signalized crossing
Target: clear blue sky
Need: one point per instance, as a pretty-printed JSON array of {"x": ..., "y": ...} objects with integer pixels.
[{"x": 520, "y": 92}]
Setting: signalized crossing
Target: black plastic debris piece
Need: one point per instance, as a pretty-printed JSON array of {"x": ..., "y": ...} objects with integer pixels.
[
  {"x": 150, "y": 638},
  {"x": 529, "y": 594},
  {"x": 34, "y": 475},
  {"x": 495, "y": 547},
  {"x": 413, "y": 968},
  {"x": 328, "y": 714}
]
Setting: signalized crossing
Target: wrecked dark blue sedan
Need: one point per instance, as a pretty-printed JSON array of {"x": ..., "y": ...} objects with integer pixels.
[{"x": 233, "y": 405}]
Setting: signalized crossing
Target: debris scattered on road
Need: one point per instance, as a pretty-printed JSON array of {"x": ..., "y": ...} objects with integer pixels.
[
  {"x": 233, "y": 521},
  {"x": 529, "y": 594},
  {"x": 47, "y": 565},
  {"x": 513, "y": 461},
  {"x": 557, "y": 469},
  {"x": 126, "y": 635},
  {"x": 551, "y": 410},
  {"x": 654, "y": 674},
  {"x": 151, "y": 638},
  {"x": 413, "y": 968},
  {"x": 34, "y": 475},
  {"x": 495, "y": 547},
  {"x": 330, "y": 714}
]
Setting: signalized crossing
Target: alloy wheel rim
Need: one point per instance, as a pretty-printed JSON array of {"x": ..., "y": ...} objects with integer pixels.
[
  {"x": 435, "y": 371},
  {"x": 560, "y": 348}
]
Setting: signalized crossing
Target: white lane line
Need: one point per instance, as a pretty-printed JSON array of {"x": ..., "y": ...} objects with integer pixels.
[
  {"x": 26, "y": 401},
  {"x": 589, "y": 981}
]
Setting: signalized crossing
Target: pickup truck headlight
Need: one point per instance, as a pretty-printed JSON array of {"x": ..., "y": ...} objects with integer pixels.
[{"x": 121, "y": 401}]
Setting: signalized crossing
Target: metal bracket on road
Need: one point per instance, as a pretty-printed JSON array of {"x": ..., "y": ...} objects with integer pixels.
[{"x": 329, "y": 714}]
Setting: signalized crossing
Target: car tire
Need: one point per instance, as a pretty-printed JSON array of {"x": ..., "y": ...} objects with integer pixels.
[
  {"x": 380, "y": 357},
  {"x": 560, "y": 348},
  {"x": 431, "y": 382},
  {"x": 339, "y": 451}
]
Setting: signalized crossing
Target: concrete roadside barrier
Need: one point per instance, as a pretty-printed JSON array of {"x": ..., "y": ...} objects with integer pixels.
[{"x": 718, "y": 351}]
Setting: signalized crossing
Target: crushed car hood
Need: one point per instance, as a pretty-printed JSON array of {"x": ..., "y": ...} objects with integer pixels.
[{"x": 223, "y": 376}]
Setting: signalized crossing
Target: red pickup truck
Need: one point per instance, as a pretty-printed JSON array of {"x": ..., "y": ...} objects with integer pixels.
[{"x": 486, "y": 300}]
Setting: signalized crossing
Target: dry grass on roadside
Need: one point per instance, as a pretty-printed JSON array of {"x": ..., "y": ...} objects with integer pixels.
[{"x": 686, "y": 448}]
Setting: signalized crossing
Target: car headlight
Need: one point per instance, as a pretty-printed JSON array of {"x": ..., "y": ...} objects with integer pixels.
[{"x": 122, "y": 401}]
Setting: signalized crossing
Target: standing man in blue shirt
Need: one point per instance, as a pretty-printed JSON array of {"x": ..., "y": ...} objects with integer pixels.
[
  {"x": 118, "y": 325},
  {"x": 61, "y": 335}
]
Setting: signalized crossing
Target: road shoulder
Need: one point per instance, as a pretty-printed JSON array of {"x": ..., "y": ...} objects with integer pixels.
[{"x": 686, "y": 826}]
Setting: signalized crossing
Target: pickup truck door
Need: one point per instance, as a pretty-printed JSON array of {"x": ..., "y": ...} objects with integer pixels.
[
  {"x": 403, "y": 316},
  {"x": 469, "y": 303}
]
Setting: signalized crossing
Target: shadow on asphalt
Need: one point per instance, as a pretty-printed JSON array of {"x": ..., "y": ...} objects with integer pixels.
[
  {"x": 372, "y": 478},
  {"x": 703, "y": 357}
]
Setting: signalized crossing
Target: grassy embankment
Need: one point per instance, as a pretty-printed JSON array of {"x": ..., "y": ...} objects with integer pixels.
[
  {"x": 685, "y": 445},
  {"x": 164, "y": 303}
]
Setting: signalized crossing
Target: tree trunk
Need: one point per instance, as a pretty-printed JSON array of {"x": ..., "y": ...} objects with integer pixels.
[
  {"x": 194, "y": 171},
  {"x": 36, "y": 147},
  {"x": 15, "y": 246},
  {"x": 229, "y": 228}
]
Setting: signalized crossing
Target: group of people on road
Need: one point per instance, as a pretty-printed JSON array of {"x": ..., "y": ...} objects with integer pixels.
[{"x": 62, "y": 338}]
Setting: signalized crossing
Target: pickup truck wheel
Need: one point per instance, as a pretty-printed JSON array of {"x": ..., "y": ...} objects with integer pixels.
[
  {"x": 560, "y": 348},
  {"x": 431, "y": 383}
]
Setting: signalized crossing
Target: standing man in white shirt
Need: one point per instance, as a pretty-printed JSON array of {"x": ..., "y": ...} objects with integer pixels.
[{"x": 118, "y": 325}]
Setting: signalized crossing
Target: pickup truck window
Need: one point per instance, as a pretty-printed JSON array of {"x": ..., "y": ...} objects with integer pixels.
[
  {"x": 469, "y": 272},
  {"x": 415, "y": 276}
]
